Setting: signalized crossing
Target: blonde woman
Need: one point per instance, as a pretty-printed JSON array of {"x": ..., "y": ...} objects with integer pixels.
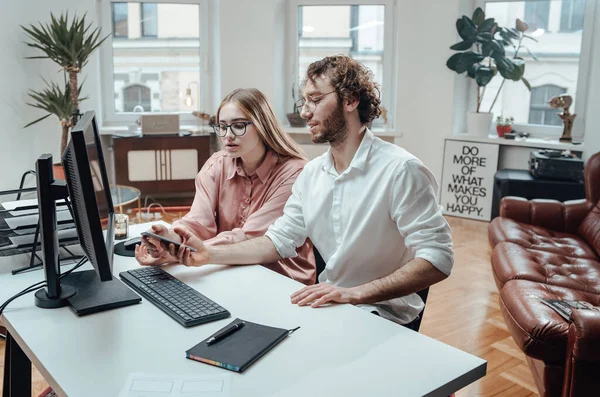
[{"x": 242, "y": 189}]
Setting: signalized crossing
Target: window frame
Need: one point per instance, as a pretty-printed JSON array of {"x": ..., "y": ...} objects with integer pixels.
[
  {"x": 388, "y": 97},
  {"x": 110, "y": 117},
  {"x": 583, "y": 77}
]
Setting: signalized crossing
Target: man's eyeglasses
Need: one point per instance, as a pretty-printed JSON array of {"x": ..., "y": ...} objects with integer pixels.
[
  {"x": 311, "y": 103},
  {"x": 238, "y": 128}
]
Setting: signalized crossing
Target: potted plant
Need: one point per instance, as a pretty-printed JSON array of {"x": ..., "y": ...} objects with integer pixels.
[
  {"x": 482, "y": 55},
  {"x": 503, "y": 125},
  {"x": 294, "y": 118},
  {"x": 70, "y": 45},
  {"x": 56, "y": 100}
]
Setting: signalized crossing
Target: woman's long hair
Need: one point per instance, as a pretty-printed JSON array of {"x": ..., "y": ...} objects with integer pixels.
[{"x": 257, "y": 109}]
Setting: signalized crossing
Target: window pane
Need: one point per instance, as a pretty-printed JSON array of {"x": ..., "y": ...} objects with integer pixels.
[
  {"x": 356, "y": 31},
  {"x": 556, "y": 69},
  {"x": 536, "y": 116},
  {"x": 540, "y": 112},
  {"x": 119, "y": 11},
  {"x": 154, "y": 72},
  {"x": 571, "y": 18},
  {"x": 551, "y": 117},
  {"x": 149, "y": 23},
  {"x": 136, "y": 95},
  {"x": 537, "y": 14}
]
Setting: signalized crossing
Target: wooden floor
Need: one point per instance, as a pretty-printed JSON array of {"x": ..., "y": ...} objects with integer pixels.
[{"x": 462, "y": 312}]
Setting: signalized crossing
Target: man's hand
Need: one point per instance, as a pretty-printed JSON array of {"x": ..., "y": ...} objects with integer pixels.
[
  {"x": 145, "y": 259},
  {"x": 187, "y": 257},
  {"x": 321, "y": 294}
]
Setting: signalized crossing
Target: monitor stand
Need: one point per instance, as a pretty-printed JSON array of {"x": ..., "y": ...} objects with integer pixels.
[{"x": 94, "y": 296}]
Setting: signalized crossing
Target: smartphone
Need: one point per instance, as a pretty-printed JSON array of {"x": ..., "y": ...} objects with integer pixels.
[{"x": 168, "y": 241}]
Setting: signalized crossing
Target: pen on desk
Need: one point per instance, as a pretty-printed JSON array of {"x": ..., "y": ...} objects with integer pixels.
[{"x": 226, "y": 333}]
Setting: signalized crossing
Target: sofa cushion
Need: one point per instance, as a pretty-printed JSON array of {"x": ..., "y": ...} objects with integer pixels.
[
  {"x": 511, "y": 261},
  {"x": 535, "y": 237},
  {"x": 537, "y": 329},
  {"x": 589, "y": 228}
]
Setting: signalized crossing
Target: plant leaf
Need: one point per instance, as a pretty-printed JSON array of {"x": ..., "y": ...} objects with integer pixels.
[
  {"x": 462, "y": 61},
  {"x": 526, "y": 82},
  {"x": 38, "y": 120},
  {"x": 521, "y": 26},
  {"x": 68, "y": 43},
  {"x": 462, "y": 46},
  {"x": 478, "y": 16},
  {"x": 483, "y": 76},
  {"x": 486, "y": 26},
  {"x": 466, "y": 29},
  {"x": 453, "y": 61},
  {"x": 472, "y": 71}
]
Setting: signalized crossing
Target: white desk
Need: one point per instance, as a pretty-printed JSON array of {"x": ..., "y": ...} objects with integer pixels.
[{"x": 338, "y": 351}]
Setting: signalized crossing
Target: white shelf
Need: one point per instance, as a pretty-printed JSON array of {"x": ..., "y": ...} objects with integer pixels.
[
  {"x": 522, "y": 142},
  {"x": 124, "y": 131}
]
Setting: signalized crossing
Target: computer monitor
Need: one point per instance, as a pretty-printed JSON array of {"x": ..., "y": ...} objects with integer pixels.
[{"x": 89, "y": 192}]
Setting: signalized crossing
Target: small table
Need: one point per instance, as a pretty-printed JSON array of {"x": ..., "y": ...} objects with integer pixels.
[
  {"x": 509, "y": 182},
  {"x": 123, "y": 195}
]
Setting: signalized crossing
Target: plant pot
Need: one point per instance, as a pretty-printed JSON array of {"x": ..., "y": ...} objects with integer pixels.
[
  {"x": 479, "y": 124},
  {"x": 59, "y": 171},
  {"x": 503, "y": 129},
  {"x": 295, "y": 120}
]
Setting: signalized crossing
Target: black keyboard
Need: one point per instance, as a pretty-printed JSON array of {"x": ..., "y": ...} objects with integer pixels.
[{"x": 186, "y": 305}]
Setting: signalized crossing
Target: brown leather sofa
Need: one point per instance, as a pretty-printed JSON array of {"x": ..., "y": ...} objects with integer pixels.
[{"x": 545, "y": 249}]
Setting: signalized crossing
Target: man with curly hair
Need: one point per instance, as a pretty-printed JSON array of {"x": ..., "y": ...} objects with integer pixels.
[{"x": 368, "y": 206}]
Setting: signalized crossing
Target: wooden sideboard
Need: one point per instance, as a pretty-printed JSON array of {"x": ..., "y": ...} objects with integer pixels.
[{"x": 162, "y": 166}]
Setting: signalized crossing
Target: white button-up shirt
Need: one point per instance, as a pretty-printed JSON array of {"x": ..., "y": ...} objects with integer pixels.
[{"x": 368, "y": 221}]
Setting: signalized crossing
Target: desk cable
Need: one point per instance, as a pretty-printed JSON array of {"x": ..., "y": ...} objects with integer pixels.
[{"x": 40, "y": 284}]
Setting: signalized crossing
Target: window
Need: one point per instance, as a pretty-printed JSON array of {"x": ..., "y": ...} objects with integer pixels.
[
  {"x": 539, "y": 110},
  {"x": 560, "y": 66},
  {"x": 119, "y": 13},
  {"x": 571, "y": 15},
  {"x": 149, "y": 20},
  {"x": 363, "y": 32},
  {"x": 136, "y": 95},
  {"x": 150, "y": 65},
  {"x": 537, "y": 14}
]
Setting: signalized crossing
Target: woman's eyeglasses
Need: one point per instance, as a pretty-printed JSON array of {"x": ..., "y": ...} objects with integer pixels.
[{"x": 238, "y": 128}]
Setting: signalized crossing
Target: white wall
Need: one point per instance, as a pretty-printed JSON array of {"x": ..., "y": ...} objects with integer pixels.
[
  {"x": 592, "y": 115},
  {"x": 425, "y": 99},
  {"x": 248, "y": 42},
  {"x": 19, "y": 147}
]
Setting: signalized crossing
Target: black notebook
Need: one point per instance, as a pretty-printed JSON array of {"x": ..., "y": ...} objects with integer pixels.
[{"x": 239, "y": 350}]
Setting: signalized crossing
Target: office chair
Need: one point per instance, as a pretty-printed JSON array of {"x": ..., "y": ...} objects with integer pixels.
[
  {"x": 320, "y": 262},
  {"x": 414, "y": 325}
]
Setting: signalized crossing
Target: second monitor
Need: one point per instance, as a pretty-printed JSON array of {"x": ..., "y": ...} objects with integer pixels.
[{"x": 87, "y": 187}]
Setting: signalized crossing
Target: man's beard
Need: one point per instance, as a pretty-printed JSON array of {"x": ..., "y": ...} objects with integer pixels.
[{"x": 335, "y": 129}]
